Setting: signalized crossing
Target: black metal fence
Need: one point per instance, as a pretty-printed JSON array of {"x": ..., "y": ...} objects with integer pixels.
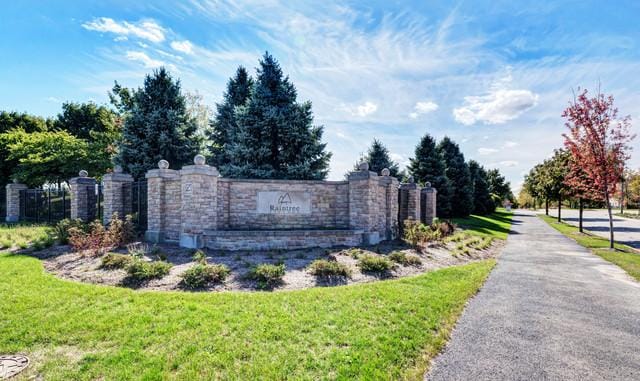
[
  {"x": 44, "y": 205},
  {"x": 134, "y": 196},
  {"x": 3, "y": 204},
  {"x": 95, "y": 210}
]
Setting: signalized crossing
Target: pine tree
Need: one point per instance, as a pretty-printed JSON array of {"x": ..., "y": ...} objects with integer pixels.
[
  {"x": 157, "y": 125},
  {"x": 275, "y": 138},
  {"x": 428, "y": 166},
  {"x": 482, "y": 202},
  {"x": 224, "y": 125},
  {"x": 378, "y": 158},
  {"x": 457, "y": 171}
]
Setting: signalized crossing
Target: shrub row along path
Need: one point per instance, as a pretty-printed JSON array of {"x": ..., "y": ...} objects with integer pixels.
[
  {"x": 549, "y": 310},
  {"x": 626, "y": 230}
]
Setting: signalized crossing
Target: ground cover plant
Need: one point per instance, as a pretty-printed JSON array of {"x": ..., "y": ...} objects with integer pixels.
[
  {"x": 374, "y": 263},
  {"x": 325, "y": 268},
  {"x": 405, "y": 259},
  {"x": 22, "y": 236},
  {"x": 496, "y": 225},
  {"x": 382, "y": 330},
  {"x": 267, "y": 275},
  {"x": 203, "y": 274},
  {"x": 624, "y": 256}
]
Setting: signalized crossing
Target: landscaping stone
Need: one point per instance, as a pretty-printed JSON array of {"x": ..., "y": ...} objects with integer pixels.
[{"x": 11, "y": 365}]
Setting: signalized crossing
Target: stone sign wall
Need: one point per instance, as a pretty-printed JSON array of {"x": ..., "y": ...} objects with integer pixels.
[{"x": 196, "y": 207}]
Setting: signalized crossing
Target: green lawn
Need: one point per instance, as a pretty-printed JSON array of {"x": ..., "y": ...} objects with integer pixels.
[
  {"x": 383, "y": 330},
  {"x": 629, "y": 214},
  {"x": 21, "y": 236},
  {"x": 496, "y": 225},
  {"x": 624, "y": 256}
]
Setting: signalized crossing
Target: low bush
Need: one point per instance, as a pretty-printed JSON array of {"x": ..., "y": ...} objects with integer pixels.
[
  {"x": 416, "y": 233},
  {"x": 200, "y": 275},
  {"x": 113, "y": 261},
  {"x": 374, "y": 263},
  {"x": 324, "y": 268},
  {"x": 446, "y": 228},
  {"x": 200, "y": 257},
  {"x": 354, "y": 252},
  {"x": 96, "y": 240},
  {"x": 62, "y": 228},
  {"x": 140, "y": 270},
  {"x": 121, "y": 231},
  {"x": 404, "y": 259},
  {"x": 267, "y": 275}
]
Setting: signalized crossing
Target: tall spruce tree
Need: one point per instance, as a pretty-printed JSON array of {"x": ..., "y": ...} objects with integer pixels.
[
  {"x": 378, "y": 158},
  {"x": 482, "y": 202},
  {"x": 157, "y": 125},
  {"x": 457, "y": 171},
  {"x": 224, "y": 125},
  {"x": 428, "y": 166},
  {"x": 276, "y": 138}
]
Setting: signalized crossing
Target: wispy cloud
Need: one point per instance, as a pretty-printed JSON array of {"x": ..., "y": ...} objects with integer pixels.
[
  {"x": 183, "y": 46},
  {"x": 423, "y": 107},
  {"x": 143, "y": 58},
  {"x": 362, "y": 110},
  {"x": 486, "y": 151},
  {"x": 144, "y": 29}
]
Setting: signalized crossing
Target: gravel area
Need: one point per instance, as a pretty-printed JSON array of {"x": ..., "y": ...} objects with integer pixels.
[{"x": 73, "y": 266}]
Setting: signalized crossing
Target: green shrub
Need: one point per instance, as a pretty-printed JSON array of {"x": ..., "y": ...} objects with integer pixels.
[
  {"x": 404, "y": 259},
  {"x": 354, "y": 252},
  {"x": 113, "y": 261},
  {"x": 61, "y": 229},
  {"x": 121, "y": 231},
  {"x": 267, "y": 275},
  {"x": 446, "y": 228},
  {"x": 416, "y": 233},
  {"x": 374, "y": 263},
  {"x": 200, "y": 257},
  {"x": 140, "y": 270},
  {"x": 200, "y": 275},
  {"x": 324, "y": 268}
]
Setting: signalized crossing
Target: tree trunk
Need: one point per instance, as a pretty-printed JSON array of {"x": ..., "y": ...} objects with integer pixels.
[
  {"x": 559, "y": 208},
  {"x": 610, "y": 222},
  {"x": 546, "y": 206},
  {"x": 580, "y": 214}
]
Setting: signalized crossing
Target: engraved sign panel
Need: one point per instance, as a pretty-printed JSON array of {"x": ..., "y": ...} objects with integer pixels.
[{"x": 286, "y": 203}]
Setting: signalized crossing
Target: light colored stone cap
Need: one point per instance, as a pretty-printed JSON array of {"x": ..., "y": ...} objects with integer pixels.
[
  {"x": 199, "y": 170},
  {"x": 120, "y": 177},
  {"x": 163, "y": 164},
  {"x": 199, "y": 160},
  {"x": 164, "y": 173}
]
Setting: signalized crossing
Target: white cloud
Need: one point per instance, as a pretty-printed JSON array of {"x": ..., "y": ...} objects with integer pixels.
[
  {"x": 54, "y": 99},
  {"x": 486, "y": 151},
  {"x": 508, "y": 163},
  {"x": 365, "y": 109},
  {"x": 510, "y": 144},
  {"x": 496, "y": 107},
  {"x": 142, "y": 57},
  {"x": 423, "y": 107},
  {"x": 144, "y": 29},
  {"x": 183, "y": 46}
]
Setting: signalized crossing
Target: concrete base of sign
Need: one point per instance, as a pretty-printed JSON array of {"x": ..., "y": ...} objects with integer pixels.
[
  {"x": 280, "y": 239},
  {"x": 191, "y": 240},
  {"x": 371, "y": 238}
]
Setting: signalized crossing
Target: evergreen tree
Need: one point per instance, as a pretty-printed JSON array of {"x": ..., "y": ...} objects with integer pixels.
[
  {"x": 275, "y": 138},
  {"x": 499, "y": 187},
  {"x": 156, "y": 125},
  {"x": 482, "y": 202},
  {"x": 428, "y": 166},
  {"x": 457, "y": 171},
  {"x": 224, "y": 125},
  {"x": 378, "y": 158}
]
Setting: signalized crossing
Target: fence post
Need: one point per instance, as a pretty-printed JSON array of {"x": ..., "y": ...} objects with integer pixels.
[
  {"x": 428, "y": 204},
  {"x": 13, "y": 201},
  {"x": 113, "y": 193},
  {"x": 410, "y": 209},
  {"x": 80, "y": 195}
]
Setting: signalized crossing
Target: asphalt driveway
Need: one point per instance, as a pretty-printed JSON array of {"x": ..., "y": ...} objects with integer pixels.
[
  {"x": 550, "y": 310},
  {"x": 625, "y": 230}
]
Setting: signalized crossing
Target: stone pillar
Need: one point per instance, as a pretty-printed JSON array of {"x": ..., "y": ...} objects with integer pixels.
[
  {"x": 428, "y": 204},
  {"x": 199, "y": 184},
  {"x": 13, "y": 201},
  {"x": 82, "y": 193},
  {"x": 113, "y": 193},
  {"x": 409, "y": 200},
  {"x": 390, "y": 185},
  {"x": 156, "y": 200},
  {"x": 362, "y": 203}
]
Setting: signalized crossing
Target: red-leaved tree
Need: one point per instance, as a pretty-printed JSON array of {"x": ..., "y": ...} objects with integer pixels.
[
  {"x": 599, "y": 144},
  {"x": 580, "y": 186}
]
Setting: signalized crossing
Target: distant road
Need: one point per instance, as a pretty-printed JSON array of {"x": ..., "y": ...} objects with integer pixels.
[{"x": 625, "y": 230}]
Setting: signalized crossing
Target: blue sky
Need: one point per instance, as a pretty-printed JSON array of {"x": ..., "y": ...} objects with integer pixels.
[{"x": 493, "y": 75}]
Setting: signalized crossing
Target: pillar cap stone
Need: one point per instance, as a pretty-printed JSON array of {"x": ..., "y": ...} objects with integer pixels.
[
  {"x": 427, "y": 184},
  {"x": 83, "y": 173},
  {"x": 117, "y": 169},
  {"x": 385, "y": 172},
  {"x": 15, "y": 180},
  {"x": 163, "y": 164},
  {"x": 411, "y": 180},
  {"x": 364, "y": 166},
  {"x": 199, "y": 160}
]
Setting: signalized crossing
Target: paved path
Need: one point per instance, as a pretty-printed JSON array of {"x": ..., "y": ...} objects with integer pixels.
[
  {"x": 625, "y": 230},
  {"x": 550, "y": 310}
]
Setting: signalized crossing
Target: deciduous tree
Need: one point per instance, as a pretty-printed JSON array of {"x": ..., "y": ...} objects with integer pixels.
[{"x": 599, "y": 141}]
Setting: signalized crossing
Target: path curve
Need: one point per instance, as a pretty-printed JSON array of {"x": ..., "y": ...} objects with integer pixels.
[{"x": 550, "y": 310}]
